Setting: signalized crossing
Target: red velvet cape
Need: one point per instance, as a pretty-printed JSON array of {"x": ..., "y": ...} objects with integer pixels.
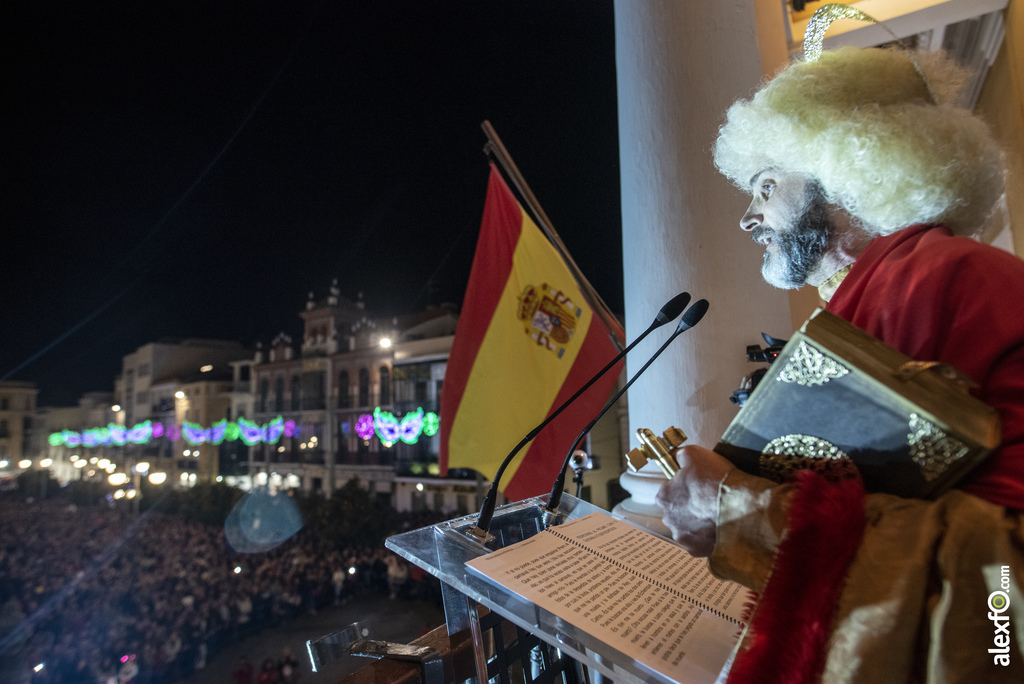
[{"x": 934, "y": 297}]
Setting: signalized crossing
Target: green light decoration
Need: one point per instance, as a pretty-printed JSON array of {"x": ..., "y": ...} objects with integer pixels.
[
  {"x": 232, "y": 432},
  {"x": 431, "y": 424}
]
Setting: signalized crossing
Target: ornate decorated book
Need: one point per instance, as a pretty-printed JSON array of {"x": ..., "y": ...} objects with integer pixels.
[{"x": 837, "y": 399}]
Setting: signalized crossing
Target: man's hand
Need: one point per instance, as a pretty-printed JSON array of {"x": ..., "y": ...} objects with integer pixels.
[{"x": 690, "y": 499}]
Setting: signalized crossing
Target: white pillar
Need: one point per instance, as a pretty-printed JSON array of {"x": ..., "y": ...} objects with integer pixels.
[{"x": 680, "y": 65}]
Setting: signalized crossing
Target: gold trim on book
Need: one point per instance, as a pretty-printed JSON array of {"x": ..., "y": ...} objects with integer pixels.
[
  {"x": 931, "y": 448},
  {"x": 788, "y": 453},
  {"x": 808, "y": 367}
]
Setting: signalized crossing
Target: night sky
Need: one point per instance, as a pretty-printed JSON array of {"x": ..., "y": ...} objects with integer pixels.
[{"x": 193, "y": 169}]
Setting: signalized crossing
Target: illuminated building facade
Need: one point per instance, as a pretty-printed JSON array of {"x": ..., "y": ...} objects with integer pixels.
[
  {"x": 17, "y": 407},
  {"x": 363, "y": 392}
]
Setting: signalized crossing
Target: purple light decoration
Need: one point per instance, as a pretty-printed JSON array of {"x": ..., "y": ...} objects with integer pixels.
[
  {"x": 411, "y": 426},
  {"x": 72, "y": 439},
  {"x": 173, "y": 432},
  {"x": 274, "y": 430},
  {"x": 118, "y": 434},
  {"x": 217, "y": 431},
  {"x": 195, "y": 434},
  {"x": 158, "y": 429},
  {"x": 251, "y": 432},
  {"x": 289, "y": 428},
  {"x": 364, "y": 426},
  {"x": 141, "y": 433}
]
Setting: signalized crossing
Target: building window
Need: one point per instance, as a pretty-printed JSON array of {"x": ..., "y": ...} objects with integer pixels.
[
  {"x": 313, "y": 390},
  {"x": 4, "y": 404},
  {"x": 364, "y": 387},
  {"x": 385, "y": 385},
  {"x": 264, "y": 390},
  {"x": 344, "y": 397},
  {"x": 296, "y": 393},
  {"x": 279, "y": 394},
  {"x": 4, "y": 431}
]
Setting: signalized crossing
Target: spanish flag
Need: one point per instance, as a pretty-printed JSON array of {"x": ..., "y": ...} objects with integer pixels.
[{"x": 526, "y": 341}]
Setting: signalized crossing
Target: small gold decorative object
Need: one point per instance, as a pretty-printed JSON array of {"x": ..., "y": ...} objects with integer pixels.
[
  {"x": 809, "y": 367},
  {"x": 784, "y": 455},
  {"x": 819, "y": 22},
  {"x": 660, "y": 450},
  {"x": 931, "y": 448},
  {"x": 824, "y": 16}
]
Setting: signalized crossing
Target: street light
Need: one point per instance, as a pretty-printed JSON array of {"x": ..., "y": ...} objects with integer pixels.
[
  {"x": 117, "y": 479},
  {"x": 25, "y": 464},
  {"x": 158, "y": 478},
  {"x": 142, "y": 467},
  {"x": 46, "y": 463}
]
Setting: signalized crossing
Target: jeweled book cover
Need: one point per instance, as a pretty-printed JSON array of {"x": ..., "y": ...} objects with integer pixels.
[{"x": 837, "y": 399}]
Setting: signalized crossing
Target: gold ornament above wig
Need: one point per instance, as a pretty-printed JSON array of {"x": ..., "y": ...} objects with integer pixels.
[
  {"x": 876, "y": 129},
  {"x": 826, "y": 15}
]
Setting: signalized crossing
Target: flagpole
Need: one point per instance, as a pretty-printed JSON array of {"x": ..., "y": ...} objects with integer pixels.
[{"x": 497, "y": 149}]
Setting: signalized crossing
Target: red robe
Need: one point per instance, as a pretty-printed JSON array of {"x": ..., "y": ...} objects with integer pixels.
[{"x": 936, "y": 297}]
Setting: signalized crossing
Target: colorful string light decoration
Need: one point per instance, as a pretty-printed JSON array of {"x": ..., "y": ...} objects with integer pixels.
[
  {"x": 145, "y": 432},
  {"x": 364, "y": 426},
  {"x": 390, "y": 430}
]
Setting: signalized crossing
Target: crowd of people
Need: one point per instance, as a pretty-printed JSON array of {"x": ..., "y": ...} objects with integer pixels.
[{"x": 95, "y": 594}]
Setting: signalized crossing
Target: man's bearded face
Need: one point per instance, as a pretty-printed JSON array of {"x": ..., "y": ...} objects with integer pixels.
[{"x": 795, "y": 232}]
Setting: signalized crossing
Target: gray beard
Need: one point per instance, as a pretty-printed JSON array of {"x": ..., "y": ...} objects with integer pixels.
[{"x": 800, "y": 249}]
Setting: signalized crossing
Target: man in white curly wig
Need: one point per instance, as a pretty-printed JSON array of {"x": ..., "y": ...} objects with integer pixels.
[{"x": 864, "y": 184}]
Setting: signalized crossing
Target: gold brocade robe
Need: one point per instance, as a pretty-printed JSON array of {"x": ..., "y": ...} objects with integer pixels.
[{"x": 915, "y": 606}]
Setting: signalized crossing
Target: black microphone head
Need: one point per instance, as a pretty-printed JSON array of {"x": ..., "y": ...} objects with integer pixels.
[
  {"x": 672, "y": 308},
  {"x": 693, "y": 315}
]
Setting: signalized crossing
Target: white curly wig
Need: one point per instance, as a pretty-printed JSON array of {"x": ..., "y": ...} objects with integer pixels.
[{"x": 863, "y": 123}]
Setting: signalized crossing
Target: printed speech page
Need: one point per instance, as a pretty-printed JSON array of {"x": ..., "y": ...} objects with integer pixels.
[{"x": 635, "y": 591}]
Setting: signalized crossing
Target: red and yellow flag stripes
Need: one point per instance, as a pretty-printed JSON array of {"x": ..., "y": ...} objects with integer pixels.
[{"x": 526, "y": 341}]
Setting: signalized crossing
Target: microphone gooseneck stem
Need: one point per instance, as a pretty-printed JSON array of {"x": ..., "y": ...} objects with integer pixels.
[
  {"x": 557, "y": 489},
  {"x": 487, "y": 508},
  {"x": 690, "y": 319},
  {"x": 669, "y": 311}
]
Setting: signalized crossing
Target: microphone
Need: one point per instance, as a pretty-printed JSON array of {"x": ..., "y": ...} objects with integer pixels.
[
  {"x": 669, "y": 311},
  {"x": 689, "y": 319}
]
